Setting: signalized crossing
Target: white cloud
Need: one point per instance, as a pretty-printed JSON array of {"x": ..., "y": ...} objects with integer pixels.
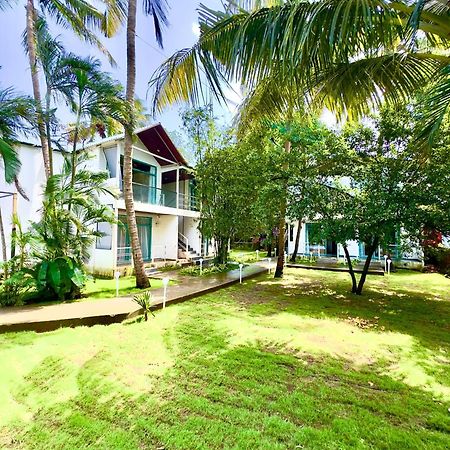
[{"x": 195, "y": 29}]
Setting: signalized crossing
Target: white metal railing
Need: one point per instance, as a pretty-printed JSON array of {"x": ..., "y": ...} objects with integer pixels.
[
  {"x": 182, "y": 237},
  {"x": 124, "y": 255},
  {"x": 164, "y": 251}
]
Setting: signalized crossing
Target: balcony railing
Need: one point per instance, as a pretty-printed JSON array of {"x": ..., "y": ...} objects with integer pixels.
[{"x": 163, "y": 197}]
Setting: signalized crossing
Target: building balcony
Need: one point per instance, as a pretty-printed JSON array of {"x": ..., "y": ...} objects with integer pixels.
[{"x": 163, "y": 197}]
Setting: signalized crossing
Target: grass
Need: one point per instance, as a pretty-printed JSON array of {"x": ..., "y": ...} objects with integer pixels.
[
  {"x": 269, "y": 364},
  {"x": 245, "y": 256},
  {"x": 99, "y": 288}
]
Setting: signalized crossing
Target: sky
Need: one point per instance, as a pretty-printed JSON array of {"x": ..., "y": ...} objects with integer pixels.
[{"x": 182, "y": 32}]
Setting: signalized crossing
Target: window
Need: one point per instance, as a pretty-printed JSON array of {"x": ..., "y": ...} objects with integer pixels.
[
  {"x": 104, "y": 242},
  {"x": 110, "y": 156}
]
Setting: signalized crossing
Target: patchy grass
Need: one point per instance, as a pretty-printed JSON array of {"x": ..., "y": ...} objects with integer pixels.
[
  {"x": 269, "y": 364},
  {"x": 246, "y": 256},
  {"x": 99, "y": 288}
]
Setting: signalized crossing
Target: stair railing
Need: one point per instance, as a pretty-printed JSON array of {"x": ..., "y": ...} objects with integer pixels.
[{"x": 185, "y": 239}]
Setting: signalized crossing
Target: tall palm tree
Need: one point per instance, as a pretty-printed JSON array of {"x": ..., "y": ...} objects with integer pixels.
[
  {"x": 82, "y": 17},
  {"x": 158, "y": 10}
]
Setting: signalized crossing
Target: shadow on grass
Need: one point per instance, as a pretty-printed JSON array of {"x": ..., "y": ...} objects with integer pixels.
[
  {"x": 217, "y": 396},
  {"x": 386, "y": 305}
]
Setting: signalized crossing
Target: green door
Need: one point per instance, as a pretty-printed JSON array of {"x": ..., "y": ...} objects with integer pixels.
[{"x": 144, "y": 226}]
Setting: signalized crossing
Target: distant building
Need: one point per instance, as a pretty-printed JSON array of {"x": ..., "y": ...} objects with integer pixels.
[{"x": 164, "y": 193}]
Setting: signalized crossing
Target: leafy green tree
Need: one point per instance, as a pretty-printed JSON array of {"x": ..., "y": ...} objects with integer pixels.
[
  {"x": 227, "y": 191},
  {"x": 384, "y": 193}
]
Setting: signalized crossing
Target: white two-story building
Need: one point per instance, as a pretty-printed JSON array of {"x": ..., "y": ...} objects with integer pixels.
[{"x": 164, "y": 193}]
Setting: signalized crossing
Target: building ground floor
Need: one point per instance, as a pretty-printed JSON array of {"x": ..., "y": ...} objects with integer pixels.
[
  {"x": 412, "y": 258},
  {"x": 163, "y": 238}
]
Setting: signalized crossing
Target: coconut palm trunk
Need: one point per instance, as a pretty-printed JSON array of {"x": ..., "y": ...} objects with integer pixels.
[
  {"x": 32, "y": 57},
  {"x": 139, "y": 270}
]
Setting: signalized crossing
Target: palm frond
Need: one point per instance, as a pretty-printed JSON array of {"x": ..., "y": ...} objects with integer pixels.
[
  {"x": 355, "y": 88},
  {"x": 157, "y": 9},
  {"x": 436, "y": 105}
]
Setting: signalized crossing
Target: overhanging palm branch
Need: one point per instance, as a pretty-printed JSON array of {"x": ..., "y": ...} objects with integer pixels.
[
  {"x": 436, "y": 105},
  {"x": 309, "y": 42},
  {"x": 16, "y": 114}
]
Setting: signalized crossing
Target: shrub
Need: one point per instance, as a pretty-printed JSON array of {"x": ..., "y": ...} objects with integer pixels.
[
  {"x": 217, "y": 268},
  {"x": 439, "y": 257},
  {"x": 60, "y": 277},
  {"x": 145, "y": 301}
]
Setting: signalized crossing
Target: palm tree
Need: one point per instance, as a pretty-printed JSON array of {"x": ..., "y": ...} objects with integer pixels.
[
  {"x": 348, "y": 55},
  {"x": 16, "y": 117},
  {"x": 81, "y": 17},
  {"x": 157, "y": 9},
  {"x": 91, "y": 94}
]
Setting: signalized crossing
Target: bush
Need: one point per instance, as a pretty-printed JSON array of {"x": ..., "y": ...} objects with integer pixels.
[
  {"x": 218, "y": 268},
  {"x": 60, "y": 278},
  {"x": 439, "y": 257}
]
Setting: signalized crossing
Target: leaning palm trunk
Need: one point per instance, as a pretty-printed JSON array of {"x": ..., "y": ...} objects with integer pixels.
[
  {"x": 32, "y": 57},
  {"x": 282, "y": 222},
  {"x": 139, "y": 269}
]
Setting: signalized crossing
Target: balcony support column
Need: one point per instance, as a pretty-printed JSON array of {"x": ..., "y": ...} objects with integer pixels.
[{"x": 178, "y": 187}]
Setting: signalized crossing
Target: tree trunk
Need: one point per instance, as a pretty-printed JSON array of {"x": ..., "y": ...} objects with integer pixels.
[
  {"x": 3, "y": 243},
  {"x": 350, "y": 267},
  {"x": 297, "y": 242},
  {"x": 362, "y": 280},
  {"x": 32, "y": 57},
  {"x": 139, "y": 269},
  {"x": 269, "y": 250},
  {"x": 48, "y": 97},
  {"x": 282, "y": 223},
  {"x": 221, "y": 250}
]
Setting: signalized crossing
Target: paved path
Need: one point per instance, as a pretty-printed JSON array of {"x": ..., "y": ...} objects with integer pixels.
[{"x": 51, "y": 317}]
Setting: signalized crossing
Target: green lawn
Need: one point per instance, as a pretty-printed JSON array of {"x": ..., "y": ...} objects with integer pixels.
[
  {"x": 246, "y": 256},
  {"x": 297, "y": 363},
  {"x": 98, "y": 288}
]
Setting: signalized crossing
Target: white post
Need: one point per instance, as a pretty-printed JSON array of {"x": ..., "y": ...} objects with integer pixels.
[
  {"x": 117, "y": 276},
  {"x": 318, "y": 251},
  {"x": 389, "y": 261},
  {"x": 201, "y": 265},
  {"x": 285, "y": 259},
  {"x": 240, "y": 272},
  {"x": 165, "y": 284},
  {"x": 310, "y": 256},
  {"x": 385, "y": 263},
  {"x": 270, "y": 266},
  {"x": 379, "y": 253},
  {"x": 257, "y": 255},
  {"x": 178, "y": 188}
]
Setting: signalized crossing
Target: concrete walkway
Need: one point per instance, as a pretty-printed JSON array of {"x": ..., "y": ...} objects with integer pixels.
[{"x": 88, "y": 313}]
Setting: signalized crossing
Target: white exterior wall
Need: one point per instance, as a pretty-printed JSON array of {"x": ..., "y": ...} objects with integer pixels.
[
  {"x": 192, "y": 232},
  {"x": 165, "y": 237},
  {"x": 32, "y": 179}
]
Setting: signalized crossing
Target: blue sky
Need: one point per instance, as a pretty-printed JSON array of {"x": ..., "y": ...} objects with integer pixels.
[{"x": 181, "y": 33}]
